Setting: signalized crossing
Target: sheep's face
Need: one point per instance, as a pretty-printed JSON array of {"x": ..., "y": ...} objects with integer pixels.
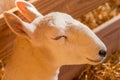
[{"x": 68, "y": 40}]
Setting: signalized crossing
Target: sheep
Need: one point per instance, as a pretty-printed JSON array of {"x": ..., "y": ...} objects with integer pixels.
[{"x": 48, "y": 42}]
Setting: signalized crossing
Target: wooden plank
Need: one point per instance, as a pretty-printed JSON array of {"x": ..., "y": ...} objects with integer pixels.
[
  {"x": 3, "y": 5},
  {"x": 109, "y": 32},
  {"x": 71, "y": 72},
  {"x": 76, "y": 8}
]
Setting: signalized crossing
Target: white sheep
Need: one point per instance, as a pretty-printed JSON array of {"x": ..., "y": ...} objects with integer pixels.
[{"x": 47, "y": 43}]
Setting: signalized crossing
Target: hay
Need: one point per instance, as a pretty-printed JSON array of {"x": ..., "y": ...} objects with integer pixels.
[
  {"x": 109, "y": 70},
  {"x": 102, "y": 14}
]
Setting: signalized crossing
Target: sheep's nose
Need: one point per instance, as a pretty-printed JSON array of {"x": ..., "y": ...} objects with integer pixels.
[{"x": 102, "y": 53}]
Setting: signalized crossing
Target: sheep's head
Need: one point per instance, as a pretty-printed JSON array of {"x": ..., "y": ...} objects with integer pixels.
[{"x": 70, "y": 41}]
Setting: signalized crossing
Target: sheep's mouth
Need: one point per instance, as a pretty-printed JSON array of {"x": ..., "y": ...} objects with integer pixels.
[{"x": 95, "y": 61}]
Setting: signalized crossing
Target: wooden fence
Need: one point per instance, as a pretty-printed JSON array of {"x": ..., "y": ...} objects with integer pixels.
[{"x": 109, "y": 32}]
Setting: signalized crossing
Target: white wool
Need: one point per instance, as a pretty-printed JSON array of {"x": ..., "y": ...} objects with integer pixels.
[
  {"x": 30, "y": 27},
  {"x": 57, "y": 72},
  {"x": 60, "y": 20}
]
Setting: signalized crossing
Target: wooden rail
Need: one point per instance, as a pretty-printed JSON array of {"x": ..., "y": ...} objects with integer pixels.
[
  {"x": 76, "y": 8},
  {"x": 109, "y": 32}
]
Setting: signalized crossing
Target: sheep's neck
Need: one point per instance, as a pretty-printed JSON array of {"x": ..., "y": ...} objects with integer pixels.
[{"x": 27, "y": 63}]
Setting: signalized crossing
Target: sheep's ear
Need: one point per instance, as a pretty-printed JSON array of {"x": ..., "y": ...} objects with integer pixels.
[
  {"x": 28, "y": 10},
  {"x": 16, "y": 24}
]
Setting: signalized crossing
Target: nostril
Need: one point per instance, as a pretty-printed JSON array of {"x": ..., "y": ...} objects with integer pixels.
[{"x": 102, "y": 53}]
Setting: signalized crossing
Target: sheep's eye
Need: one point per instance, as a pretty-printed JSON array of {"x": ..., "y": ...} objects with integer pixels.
[{"x": 59, "y": 37}]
